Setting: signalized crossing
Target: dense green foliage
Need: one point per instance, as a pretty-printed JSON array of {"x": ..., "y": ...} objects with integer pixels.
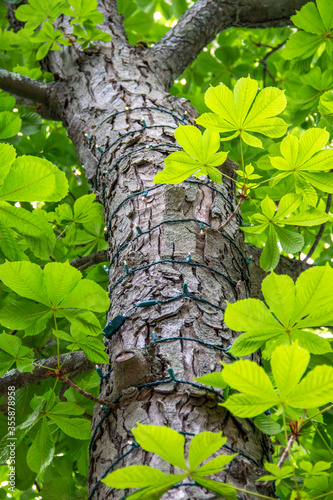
[{"x": 273, "y": 116}]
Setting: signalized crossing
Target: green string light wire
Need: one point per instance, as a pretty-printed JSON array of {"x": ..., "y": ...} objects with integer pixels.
[
  {"x": 142, "y": 233},
  {"x": 130, "y": 132},
  {"x": 171, "y": 261},
  {"x": 148, "y": 146},
  {"x": 189, "y": 339},
  {"x": 155, "y": 108},
  {"x": 134, "y": 445},
  {"x": 144, "y": 192}
]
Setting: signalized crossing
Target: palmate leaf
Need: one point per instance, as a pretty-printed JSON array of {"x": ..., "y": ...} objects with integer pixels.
[
  {"x": 288, "y": 365},
  {"x": 14, "y": 352},
  {"x": 273, "y": 224},
  {"x": 37, "y": 231},
  {"x": 165, "y": 442},
  {"x": 38, "y": 11},
  {"x": 305, "y": 162},
  {"x": 31, "y": 179},
  {"x": 242, "y": 112},
  {"x": 308, "y": 304},
  {"x": 53, "y": 288},
  {"x": 199, "y": 157},
  {"x": 317, "y": 23},
  {"x": 169, "y": 445},
  {"x": 27, "y": 179}
]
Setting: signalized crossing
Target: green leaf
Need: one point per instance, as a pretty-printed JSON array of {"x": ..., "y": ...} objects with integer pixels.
[
  {"x": 85, "y": 210},
  {"x": 10, "y": 344},
  {"x": 78, "y": 428},
  {"x": 301, "y": 45},
  {"x": 246, "y": 376},
  {"x": 37, "y": 232},
  {"x": 214, "y": 466},
  {"x": 326, "y": 107},
  {"x": 300, "y": 158},
  {"x": 7, "y": 155},
  {"x": 312, "y": 342},
  {"x": 60, "y": 279},
  {"x": 93, "y": 348},
  {"x": 267, "y": 425},
  {"x": 165, "y": 442},
  {"x": 242, "y": 112},
  {"x": 31, "y": 179},
  {"x": 86, "y": 295},
  {"x": 24, "y": 314},
  {"x": 270, "y": 255},
  {"x": 199, "y": 157},
  {"x": 8, "y": 244},
  {"x": 41, "y": 452},
  {"x": 139, "y": 476},
  {"x": 291, "y": 241},
  {"x": 314, "y": 295},
  {"x": 213, "y": 379},
  {"x": 26, "y": 279},
  {"x": 251, "y": 314},
  {"x": 250, "y": 342},
  {"x": 224, "y": 490},
  {"x": 10, "y": 124},
  {"x": 66, "y": 408},
  {"x": 316, "y": 389},
  {"x": 38, "y": 11},
  {"x": 288, "y": 364},
  {"x": 203, "y": 445},
  {"x": 279, "y": 292},
  {"x": 84, "y": 321}
]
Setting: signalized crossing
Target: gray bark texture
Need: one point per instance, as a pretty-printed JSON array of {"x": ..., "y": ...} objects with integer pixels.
[{"x": 122, "y": 148}]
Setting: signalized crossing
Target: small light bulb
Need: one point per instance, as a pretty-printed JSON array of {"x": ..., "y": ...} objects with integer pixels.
[
  {"x": 147, "y": 146},
  {"x": 126, "y": 108},
  {"x": 105, "y": 229}
]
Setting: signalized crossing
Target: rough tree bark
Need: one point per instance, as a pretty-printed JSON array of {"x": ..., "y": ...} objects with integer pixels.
[{"x": 89, "y": 90}]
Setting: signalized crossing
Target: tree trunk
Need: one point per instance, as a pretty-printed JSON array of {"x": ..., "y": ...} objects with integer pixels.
[
  {"x": 164, "y": 245},
  {"x": 122, "y": 149}
]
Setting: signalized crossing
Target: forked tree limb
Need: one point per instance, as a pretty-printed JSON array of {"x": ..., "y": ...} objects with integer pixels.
[{"x": 204, "y": 20}]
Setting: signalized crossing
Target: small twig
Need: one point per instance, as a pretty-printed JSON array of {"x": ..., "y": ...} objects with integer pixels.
[
  {"x": 320, "y": 232},
  {"x": 264, "y": 63},
  {"x": 288, "y": 448},
  {"x": 284, "y": 455},
  {"x": 232, "y": 215},
  {"x": 86, "y": 394}
]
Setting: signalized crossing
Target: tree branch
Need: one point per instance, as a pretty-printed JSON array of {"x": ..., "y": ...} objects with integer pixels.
[
  {"x": 204, "y": 20},
  {"x": 38, "y": 93},
  {"x": 24, "y": 86},
  {"x": 76, "y": 360},
  {"x": 113, "y": 22},
  {"x": 90, "y": 260}
]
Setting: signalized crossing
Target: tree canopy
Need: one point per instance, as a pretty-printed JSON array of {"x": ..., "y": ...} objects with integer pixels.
[{"x": 263, "y": 88}]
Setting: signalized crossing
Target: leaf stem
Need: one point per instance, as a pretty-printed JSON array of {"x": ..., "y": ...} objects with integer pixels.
[
  {"x": 288, "y": 449},
  {"x": 319, "y": 413}
]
